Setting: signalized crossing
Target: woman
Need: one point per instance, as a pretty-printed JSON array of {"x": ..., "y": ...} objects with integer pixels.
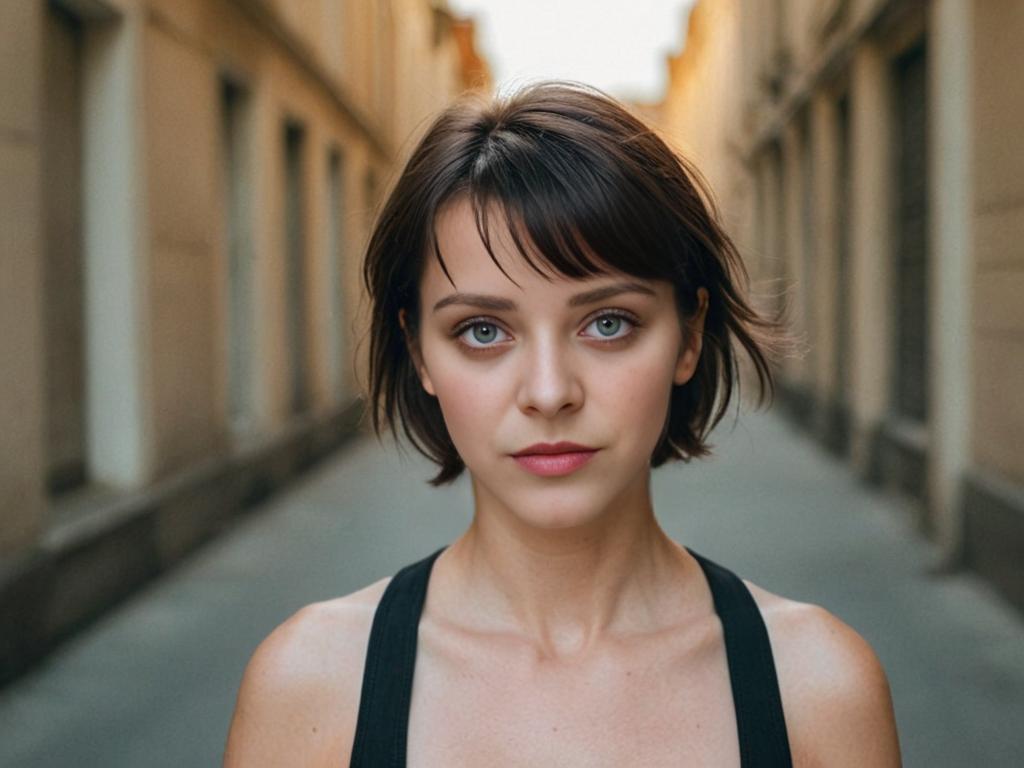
[{"x": 554, "y": 310}]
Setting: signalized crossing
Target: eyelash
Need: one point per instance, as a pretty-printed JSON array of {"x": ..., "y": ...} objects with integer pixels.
[{"x": 469, "y": 323}]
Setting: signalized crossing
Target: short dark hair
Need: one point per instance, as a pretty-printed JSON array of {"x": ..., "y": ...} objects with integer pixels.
[{"x": 575, "y": 174}]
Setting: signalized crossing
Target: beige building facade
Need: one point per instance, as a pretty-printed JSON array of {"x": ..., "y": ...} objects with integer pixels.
[
  {"x": 865, "y": 153},
  {"x": 186, "y": 187}
]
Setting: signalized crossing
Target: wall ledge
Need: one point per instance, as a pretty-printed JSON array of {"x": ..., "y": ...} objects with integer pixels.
[{"x": 91, "y": 560}]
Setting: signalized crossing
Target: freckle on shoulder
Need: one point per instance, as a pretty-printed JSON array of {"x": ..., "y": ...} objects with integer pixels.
[{"x": 299, "y": 696}]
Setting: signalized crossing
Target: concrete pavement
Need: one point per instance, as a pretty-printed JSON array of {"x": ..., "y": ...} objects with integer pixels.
[{"x": 153, "y": 684}]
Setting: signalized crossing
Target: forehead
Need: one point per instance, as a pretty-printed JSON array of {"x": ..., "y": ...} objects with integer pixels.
[{"x": 472, "y": 269}]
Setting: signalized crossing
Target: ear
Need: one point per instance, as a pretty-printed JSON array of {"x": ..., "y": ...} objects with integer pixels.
[
  {"x": 689, "y": 350},
  {"x": 414, "y": 353}
]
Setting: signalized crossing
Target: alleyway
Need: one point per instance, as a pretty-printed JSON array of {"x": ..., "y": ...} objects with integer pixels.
[{"x": 154, "y": 683}]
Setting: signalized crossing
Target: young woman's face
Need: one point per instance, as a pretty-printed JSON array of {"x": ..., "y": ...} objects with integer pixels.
[{"x": 544, "y": 363}]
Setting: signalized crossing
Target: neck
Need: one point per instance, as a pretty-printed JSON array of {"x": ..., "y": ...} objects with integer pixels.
[{"x": 565, "y": 590}]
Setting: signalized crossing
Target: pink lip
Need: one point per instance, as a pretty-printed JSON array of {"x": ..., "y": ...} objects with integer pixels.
[
  {"x": 553, "y": 464},
  {"x": 563, "y": 446}
]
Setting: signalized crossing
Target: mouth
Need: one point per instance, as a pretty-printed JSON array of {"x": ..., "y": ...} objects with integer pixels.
[{"x": 555, "y": 463}]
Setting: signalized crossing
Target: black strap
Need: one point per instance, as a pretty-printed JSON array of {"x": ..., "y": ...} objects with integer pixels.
[
  {"x": 755, "y": 686},
  {"x": 383, "y": 723}
]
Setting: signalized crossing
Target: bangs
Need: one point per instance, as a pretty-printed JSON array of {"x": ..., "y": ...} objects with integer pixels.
[{"x": 571, "y": 208}]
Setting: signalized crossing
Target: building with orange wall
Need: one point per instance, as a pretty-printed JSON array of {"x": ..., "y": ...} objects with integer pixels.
[
  {"x": 865, "y": 153},
  {"x": 185, "y": 190}
]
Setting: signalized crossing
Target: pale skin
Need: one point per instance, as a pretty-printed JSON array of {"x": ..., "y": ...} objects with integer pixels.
[{"x": 563, "y": 627}]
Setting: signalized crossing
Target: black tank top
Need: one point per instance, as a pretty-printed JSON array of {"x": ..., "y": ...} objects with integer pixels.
[{"x": 381, "y": 730}]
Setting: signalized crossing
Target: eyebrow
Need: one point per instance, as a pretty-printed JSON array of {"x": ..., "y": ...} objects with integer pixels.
[{"x": 497, "y": 303}]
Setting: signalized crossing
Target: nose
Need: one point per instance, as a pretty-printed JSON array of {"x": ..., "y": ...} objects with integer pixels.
[{"x": 550, "y": 383}]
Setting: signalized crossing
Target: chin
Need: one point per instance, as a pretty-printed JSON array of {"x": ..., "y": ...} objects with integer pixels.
[
  {"x": 556, "y": 521},
  {"x": 558, "y": 509},
  {"x": 554, "y": 503}
]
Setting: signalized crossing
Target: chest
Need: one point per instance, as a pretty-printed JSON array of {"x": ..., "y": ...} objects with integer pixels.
[{"x": 663, "y": 703}]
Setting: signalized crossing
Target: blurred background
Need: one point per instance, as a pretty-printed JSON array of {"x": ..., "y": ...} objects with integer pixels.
[{"x": 186, "y": 188}]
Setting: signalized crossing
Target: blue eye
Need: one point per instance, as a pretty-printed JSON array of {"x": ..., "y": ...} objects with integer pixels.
[
  {"x": 481, "y": 332},
  {"x": 609, "y": 324}
]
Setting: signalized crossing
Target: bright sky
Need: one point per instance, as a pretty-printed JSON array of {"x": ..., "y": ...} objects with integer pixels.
[{"x": 607, "y": 43}]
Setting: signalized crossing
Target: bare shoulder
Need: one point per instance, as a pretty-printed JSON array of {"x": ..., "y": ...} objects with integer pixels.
[
  {"x": 835, "y": 693},
  {"x": 299, "y": 697}
]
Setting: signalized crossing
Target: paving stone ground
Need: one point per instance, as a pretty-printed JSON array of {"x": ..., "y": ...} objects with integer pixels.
[{"x": 153, "y": 683}]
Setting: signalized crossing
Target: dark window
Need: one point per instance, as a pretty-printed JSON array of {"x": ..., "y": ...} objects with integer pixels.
[
  {"x": 63, "y": 257},
  {"x": 234, "y": 102},
  {"x": 295, "y": 264},
  {"x": 843, "y": 282},
  {"x": 910, "y": 381}
]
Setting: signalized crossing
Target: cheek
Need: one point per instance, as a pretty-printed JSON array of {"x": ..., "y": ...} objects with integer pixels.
[
  {"x": 471, "y": 401},
  {"x": 637, "y": 394},
  {"x": 463, "y": 398}
]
